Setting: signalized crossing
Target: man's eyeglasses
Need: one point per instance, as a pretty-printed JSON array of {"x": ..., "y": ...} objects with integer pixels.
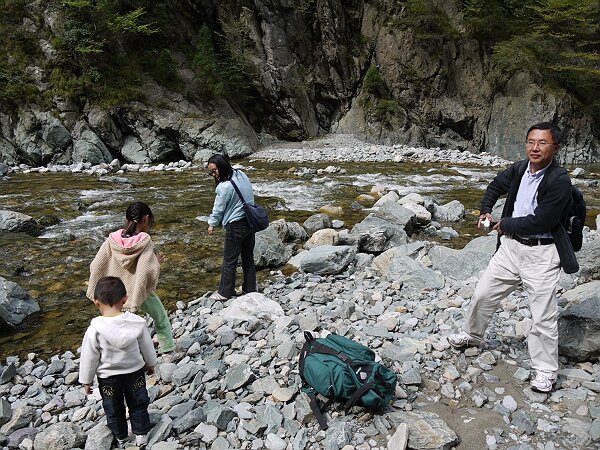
[{"x": 541, "y": 144}]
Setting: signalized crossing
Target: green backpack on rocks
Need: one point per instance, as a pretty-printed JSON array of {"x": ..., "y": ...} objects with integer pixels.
[{"x": 345, "y": 371}]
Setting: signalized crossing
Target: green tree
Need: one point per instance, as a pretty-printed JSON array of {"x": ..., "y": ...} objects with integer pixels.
[{"x": 559, "y": 39}]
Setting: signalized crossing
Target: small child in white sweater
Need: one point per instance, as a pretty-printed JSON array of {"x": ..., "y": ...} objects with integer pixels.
[{"x": 118, "y": 349}]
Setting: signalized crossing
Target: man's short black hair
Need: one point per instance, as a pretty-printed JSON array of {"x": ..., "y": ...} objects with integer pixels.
[
  {"x": 109, "y": 290},
  {"x": 554, "y": 130}
]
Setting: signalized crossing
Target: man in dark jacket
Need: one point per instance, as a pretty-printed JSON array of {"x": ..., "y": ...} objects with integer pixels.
[{"x": 532, "y": 247}]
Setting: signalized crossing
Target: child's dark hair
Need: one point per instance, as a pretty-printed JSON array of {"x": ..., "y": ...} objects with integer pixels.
[
  {"x": 135, "y": 213},
  {"x": 109, "y": 290},
  {"x": 223, "y": 166}
]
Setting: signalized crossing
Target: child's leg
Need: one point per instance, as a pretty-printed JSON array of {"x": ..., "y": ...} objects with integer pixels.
[
  {"x": 155, "y": 309},
  {"x": 113, "y": 401},
  {"x": 137, "y": 399}
]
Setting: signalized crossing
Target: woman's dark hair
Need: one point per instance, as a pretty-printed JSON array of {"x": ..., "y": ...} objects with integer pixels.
[
  {"x": 109, "y": 290},
  {"x": 554, "y": 130},
  {"x": 134, "y": 214},
  {"x": 223, "y": 166}
]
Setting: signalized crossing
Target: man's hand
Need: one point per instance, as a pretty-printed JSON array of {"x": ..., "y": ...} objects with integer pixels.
[
  {"x": 88, "y": 388},
  {"x": 210, "y": 230},
  {"x": 150, "y": 370},
  {"x": 497, "y": 227},
  {"x": 482, "y": 217}
]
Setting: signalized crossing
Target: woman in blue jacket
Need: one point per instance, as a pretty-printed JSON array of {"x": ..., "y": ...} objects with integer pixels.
[{"x": 228, "y": 211}]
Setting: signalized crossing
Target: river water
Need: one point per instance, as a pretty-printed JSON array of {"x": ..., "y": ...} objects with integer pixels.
[{"x": 53, "y": 268}]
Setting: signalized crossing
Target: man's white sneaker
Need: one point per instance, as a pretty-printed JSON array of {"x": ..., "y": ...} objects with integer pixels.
[
  {"x": 463, "y": 339},
  {"x": 543, "y": 382},
  {"x": 141, "y": 440},
  {"x": 216, "y": 296}
]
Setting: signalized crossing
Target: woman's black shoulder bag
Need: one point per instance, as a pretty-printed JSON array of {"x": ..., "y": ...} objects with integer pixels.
[{"x": 256, "y": 215}]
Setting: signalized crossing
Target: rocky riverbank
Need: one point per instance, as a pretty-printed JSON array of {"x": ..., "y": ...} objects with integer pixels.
[{"x": 234, "y": 381}]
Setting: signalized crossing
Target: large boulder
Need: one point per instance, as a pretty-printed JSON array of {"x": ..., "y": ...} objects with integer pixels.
[
  {"x": 589, "y": 263},
  {"x": 270, "y": 250},
  {"x": 377, "y": 235},
  {"x": 326, "y": 236},
  {"x": 252, "y": 307},
  {"x": 15, "y": 222},
  {"x": 60, "y": 436},
  {"x": 133, "y": 151},
  {"x": 395, "y": 265},
  {"x": 397, "y": 214},
  {"x": 317, "y": 222},
  {"x": 325, "y": 260},
  {"x": 450, "y": 212},
  {"x": 15, "y": 303},
  {"x": 465, "y": 263},
  {"x": 289, "y": 231},
  {"x": 88, "y": 147},
  {"x": 579, "y": 330}
]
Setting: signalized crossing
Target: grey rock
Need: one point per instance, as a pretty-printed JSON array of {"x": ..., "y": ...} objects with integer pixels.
[
  {"x": 410, "y": 272},
  {"x": 272, "y": 418},
  {"x": 21, "y": 417},
  {"x": 317, "y": 222},
  {"x": 327, "y": 259},
  {"x": 220, "y": 416},
  {"x": 238, "y": 376},
  {"x": 376, "y": 234},
  {"x": 579, "y": 330},
  {"x": 5, "y": 410},
  {"x": 269, "y": 249},
  {"x": 16, "y": 437},
  {"x": 458, "y": 264},
  {"x": 426, "y": 430},
  {"x": 99, "y": 437},
  {"x": 274, "y": 442},
  {"x": 57, "y": 136},
  {"x": 338, "y": 435},
  {"x": 523, "y": 422},
  {"x": 60, "y": 436},
  {"x": 16, "y": 222},
  {"x": 183, "y": 374},
  {"x": 189, "y": 420},
  {"x": 88, "y": 147},
  {"x": 411, "y": 377},
  {"x": 300, "y": 439},
  {"x": 181, "y": 409},
  {"x": 450, "y": 212},
  {"x": 396, "y": 214},
  {"x": 160, "y": 431},
  {"x": 7, "y": 373},
  {"x": 133, "y": 151}
]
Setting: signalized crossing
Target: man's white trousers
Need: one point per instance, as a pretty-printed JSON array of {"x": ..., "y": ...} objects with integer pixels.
[{"x": 538, "y": 267}]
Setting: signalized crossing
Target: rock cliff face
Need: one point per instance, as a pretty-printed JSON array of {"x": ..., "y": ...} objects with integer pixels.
[{"x": 312, "y": 60}]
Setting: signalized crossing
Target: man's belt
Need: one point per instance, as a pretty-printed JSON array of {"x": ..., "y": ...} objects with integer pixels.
[{"x": 531, "y": 241}]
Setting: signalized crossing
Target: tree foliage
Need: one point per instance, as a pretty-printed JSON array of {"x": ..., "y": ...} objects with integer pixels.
[
  {"x": 559, "y": 39},
  {"x": 221, "y": 65}
]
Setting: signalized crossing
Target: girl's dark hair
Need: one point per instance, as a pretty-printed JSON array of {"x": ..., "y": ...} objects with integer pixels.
[
  {"x": 109, "y": 290},
  {"x": 134, "y": 214},
  {"x": 223, "y": 166}
]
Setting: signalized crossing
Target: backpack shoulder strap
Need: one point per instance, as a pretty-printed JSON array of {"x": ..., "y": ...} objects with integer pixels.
[
  {"x": 237, "y": 191},
  {"x": 314, "y": 406}
]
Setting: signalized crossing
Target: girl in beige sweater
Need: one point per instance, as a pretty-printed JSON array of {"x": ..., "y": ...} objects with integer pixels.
[{"x": 129, "y": 254}]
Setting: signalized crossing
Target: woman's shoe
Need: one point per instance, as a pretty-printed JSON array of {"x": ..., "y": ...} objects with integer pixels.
[{"x": 216, "y": 296}]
